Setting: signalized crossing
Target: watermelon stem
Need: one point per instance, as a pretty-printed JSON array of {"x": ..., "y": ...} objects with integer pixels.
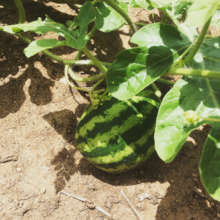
[
  {"x": 89, "y": 35},
  {"x": 60, "y": 59},
  {"x": 96, "y": 62},
  {"x": 165, "y": 81},
  {"x": 113, "y": 4},
  {"x": 157, "y": 92},
  {"x": 78, "y": 78},
  {"x": 196, "y": 45},
  {"x": 71, "y": 83},
  {"x": 21, "y": 11}
]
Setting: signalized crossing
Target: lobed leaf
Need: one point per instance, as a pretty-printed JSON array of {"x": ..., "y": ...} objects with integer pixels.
[
  {"x": 216, "y": 20},
  {"x": 107, "y": 19},
  {"x": 160, "y": 3},
  {"x": 40, "y": 45},
  {"x": 73, "y": 38},
  {"x": 200, "y": 12},
  {"x": 208, "y": 56},
  {"x": 86, "y": 15},
  {"x": 199, "y": 96},
  {"x": 210, "y": 163},
  {"x": 134, "y": 69},
  {"x": 159, "y": 34},
  {"x": 140, "y": 4}
]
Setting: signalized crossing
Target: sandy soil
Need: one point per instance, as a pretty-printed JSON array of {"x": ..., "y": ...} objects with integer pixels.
[{"x": 38, "y": 159}]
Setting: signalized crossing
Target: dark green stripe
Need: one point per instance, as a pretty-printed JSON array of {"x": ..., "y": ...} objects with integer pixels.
[
  {"x": 130, "y": 159},
  {"x": 142, "y": 149},
  {"x": 112, "y": 148},
  {"x": 106, "y": 105},
  {"x": 137, "y": 131},
  {"x": 104, "y": 127},
  {"x": 80, "y": 140},
  {"x": 130, "y": 136}
]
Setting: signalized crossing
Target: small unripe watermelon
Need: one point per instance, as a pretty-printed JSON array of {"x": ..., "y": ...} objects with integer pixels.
[{"x": 117, "y": 136}]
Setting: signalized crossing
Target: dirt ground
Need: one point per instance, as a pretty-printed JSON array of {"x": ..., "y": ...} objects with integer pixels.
[{"x": 38, "y": 159}]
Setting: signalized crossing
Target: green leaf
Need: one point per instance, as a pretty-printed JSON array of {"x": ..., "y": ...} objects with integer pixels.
[
  {"x": 190, "y": 103},
  {"x": 107, "y": 19},
  {"x": 139, "y": 4},
  {"x": 208, "y": 56},
  {"x": 180, "y": 7},
  {"x": 158, "y": 34},
  {"x": 216, "y": 20},
  {"x": 40, "y": 45},
  {"x": 210, "y": 163},
  {"x": 134, "y": 69},
  {"x": 86, "y": 15},
  {"x": 161, "y": 3},
  {"x": 176, "y": 6},
  {"x": 200, "y": 12},
  {"x": 73, "y": 38}
]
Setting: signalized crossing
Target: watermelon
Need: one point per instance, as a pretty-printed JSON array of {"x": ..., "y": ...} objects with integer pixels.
[{"x": 117, "y": 136}]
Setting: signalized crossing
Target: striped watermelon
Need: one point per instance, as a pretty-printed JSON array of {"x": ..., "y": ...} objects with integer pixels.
[{"x": 117, "y": 136}]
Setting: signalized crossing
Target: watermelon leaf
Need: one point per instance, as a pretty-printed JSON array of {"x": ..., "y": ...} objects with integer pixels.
[
  {"x": 134, "y": 69},
  {"x": 190, "y": 103},
  {"x": 86, "y": 15},
  {"x": 216, "y": 20},
  {"x": 200, "y": 12},
  {"x": 74, "y": 38},
  {"x": 158, "y": 34},
  {"x": 107, "y": 19},
  {"x": 210, "y": 163},
  {"x": 140, "y": 4},
  {"x": 160, "y": 3},
  {"x": 39, "y": 45},
  {"x": 208, "y": 56}
]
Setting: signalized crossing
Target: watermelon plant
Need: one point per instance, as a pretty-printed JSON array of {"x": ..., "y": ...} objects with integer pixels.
[{"x": 118, "y": 132}]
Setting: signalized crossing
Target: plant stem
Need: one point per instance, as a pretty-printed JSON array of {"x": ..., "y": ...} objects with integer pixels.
[
  {"x": 156, "y": 90},
  {"x": 21, "y": 11},
  {"x": 90, "y": 34},
  {"x": 198, "y": 42},
  {"x": 96, "y": 62},
  {"x": 60, "y": 59},
  {"x": 165, "y": 81},
  {"x": 115, "y": 6},
  {"x": 71, "y": 83},
  {"x": 194, "y": 72},
  {"x": 67, "y": 61},
  {"x": 84, "y": 79},
  {"x": 212, "y": 119}
]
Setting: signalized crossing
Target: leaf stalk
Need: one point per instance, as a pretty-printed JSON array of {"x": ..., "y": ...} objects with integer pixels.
[
  {"x": 96, "y": 62},
  {"x": 21, "y": 11},
  {"x": 194, "y": 72},
  {"x": 115, "y": 6},
  {"x": 195, "y": 47}
]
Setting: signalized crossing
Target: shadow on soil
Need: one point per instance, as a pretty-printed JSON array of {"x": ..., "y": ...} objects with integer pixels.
[
  {"x": 64, "y": 123},
  {"x": 183, "y": 199},
  {"x": 8, "y": 13},
  {"x": 16, "y": 69},
  {"x": 182, "y": 174}
]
